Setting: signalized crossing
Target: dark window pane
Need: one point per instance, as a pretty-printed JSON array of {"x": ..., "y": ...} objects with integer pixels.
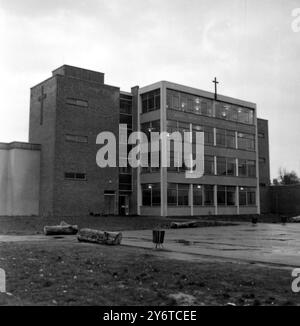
[
  {"x": 208, "y": 195},
  {"x": 208, "y": 136},
  {"x": 242, "y": 196},
  {"x": 183, "y": 195},
  {"x": 172, "y": 194},
  {"x": 209, "y": 165},
  {"x": 251, "y": 196},
  {"x": 146, "y": 195},
  {"x": 198, "y": 195},
  {"x": 156, "y": 195},
  {"x": 230, "y": 139},
  {"x": 242, "y": 168},
  {"x": 231, "y": 167},
  {"x": 221, "y": 137},
  {"x": 251, "y": 169},
  {"x": 221, "y": 165},
  {"x": 230, "y": 196},
  {"x": 221, "y": 195}
]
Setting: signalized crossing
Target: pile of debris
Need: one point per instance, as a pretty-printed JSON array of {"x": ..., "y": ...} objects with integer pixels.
[{"x": 85, "y": 235}]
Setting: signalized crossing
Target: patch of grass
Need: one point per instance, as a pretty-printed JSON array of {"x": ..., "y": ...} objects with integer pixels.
[{"x": 56, "y": 273}]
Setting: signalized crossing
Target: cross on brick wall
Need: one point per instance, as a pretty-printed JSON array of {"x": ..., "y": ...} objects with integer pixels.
[{"x": 41, "y": 99}]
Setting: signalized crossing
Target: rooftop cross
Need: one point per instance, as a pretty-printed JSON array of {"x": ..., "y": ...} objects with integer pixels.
[
  {"x": 216, "y": 83},
  {"x": 41, "y": 99}
]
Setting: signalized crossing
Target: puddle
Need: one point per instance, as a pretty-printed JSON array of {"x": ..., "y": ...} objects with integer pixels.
[{"x": 185, "y": 242}]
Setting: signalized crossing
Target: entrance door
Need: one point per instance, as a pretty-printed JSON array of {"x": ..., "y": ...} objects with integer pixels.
[{"x": 123, "y": 205}]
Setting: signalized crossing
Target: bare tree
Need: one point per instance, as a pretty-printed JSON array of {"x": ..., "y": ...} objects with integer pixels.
[{"x": 286, "y": 177}]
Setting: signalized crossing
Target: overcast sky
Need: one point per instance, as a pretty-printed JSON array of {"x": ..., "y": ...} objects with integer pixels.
[{"x": 249, "y": 45}]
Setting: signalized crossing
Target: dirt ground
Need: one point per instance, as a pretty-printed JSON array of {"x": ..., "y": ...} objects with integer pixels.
[{"x": 57, "y": 273}]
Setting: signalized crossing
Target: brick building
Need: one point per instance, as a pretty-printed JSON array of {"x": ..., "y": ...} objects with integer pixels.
[{"x": 69, "y": 110}]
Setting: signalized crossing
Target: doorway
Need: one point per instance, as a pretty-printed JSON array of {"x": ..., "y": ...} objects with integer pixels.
[{"x": 123, "y": 205}]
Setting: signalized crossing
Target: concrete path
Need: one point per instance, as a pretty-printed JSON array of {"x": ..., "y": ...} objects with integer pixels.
[
  {"x": 273, "y": 244},
  {"x": 262, "y": 243}
]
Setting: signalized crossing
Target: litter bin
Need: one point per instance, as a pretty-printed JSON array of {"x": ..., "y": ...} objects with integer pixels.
[
  {"x": 158, "y": 238},
  {"x": 254, "y": 220}
]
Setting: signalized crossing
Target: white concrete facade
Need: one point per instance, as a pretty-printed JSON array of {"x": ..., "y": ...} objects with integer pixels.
[{"x": 19, "y": 179}]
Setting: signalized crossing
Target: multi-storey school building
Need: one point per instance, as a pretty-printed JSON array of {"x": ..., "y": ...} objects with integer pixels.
[{"x": 68, "y": 111}]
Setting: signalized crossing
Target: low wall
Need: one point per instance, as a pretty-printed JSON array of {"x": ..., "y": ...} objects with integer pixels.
[{"x": 285, "y": 199}]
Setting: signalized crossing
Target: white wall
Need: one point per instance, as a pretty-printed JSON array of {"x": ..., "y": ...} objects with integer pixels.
[{"x": 19, "y": 181}]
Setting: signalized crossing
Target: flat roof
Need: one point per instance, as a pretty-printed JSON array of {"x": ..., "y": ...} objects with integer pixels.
[
  {"x": 199, "y": 92},
  {"x": 20, "y": 145}
]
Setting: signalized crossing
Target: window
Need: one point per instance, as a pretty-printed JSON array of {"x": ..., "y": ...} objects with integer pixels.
[
  {"x": 261, "y": 135},
  {"x": 151, "y": 101},
  {"x": 247, "y": 196},
  {"x": 221, "y": 195},
  {"x": 251, "y": 165},
  {"x": 226, "y": 195},
  {"x": 183, "y": 194},
  {"x": 242, "y": 168},
  {"x": 77, "y": 138},
  {"x": 188, "y": 103},
  {"x": 75, "y": 176},
  {"x": 221, "y": 166},
  {"x": 220, "y": 137},
  {"x": 125, "y": 182},
  {"x": 245, "y": 115},
  {"x": 172, "y": 194},
  {"x": 206, "y": 108},
  {"x": 151, "y": 194},
  {"x": 230, "y": 196},
  {"x": 208, "y": 195},
  {"x": 146, "y": 195},
  {"x": 230, "y": 139},
  {"x": 231, "y": 166},
  {"x": 209, "y": 165},
  {"x": 222, "y": 111},
  {"x": 225, "y": 138},
  {"x": 198, "y": 195},
  {"x": 233, "y": 113},
  {"x": 247, "y": 168},
  {"x": 125, "y": 106},
  {"x": 178, "y": 194},
  {"x": 246, "y": 141},
  {"x": 77, "y": 102},
  {"x": 208, "y": 136},
  {"x": 126, "y": 119}
]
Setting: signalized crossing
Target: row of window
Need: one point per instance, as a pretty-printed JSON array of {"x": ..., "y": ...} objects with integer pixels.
[
  {"x": 227, "y": 166},
  {"x": 224, "y": 138},
  {"x": 75, "y": 176},
  {"x": 125, "y": 177},
  {"x": 194, "y": 104},
  {"x": 151, "y": 101},
  {"x": 202, "y": 195}
]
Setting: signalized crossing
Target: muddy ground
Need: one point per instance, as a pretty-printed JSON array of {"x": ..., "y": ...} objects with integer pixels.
[{"x": 58, "y": 273}]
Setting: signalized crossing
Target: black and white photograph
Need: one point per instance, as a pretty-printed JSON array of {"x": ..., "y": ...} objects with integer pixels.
[{"x": 149, "y": 156}]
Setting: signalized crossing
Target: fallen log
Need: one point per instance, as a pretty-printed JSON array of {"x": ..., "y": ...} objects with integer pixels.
[
  {"x": 62, "y": 229},
  {"x": 180, "y": 225},
  {"x": 100, "y": 237}
]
